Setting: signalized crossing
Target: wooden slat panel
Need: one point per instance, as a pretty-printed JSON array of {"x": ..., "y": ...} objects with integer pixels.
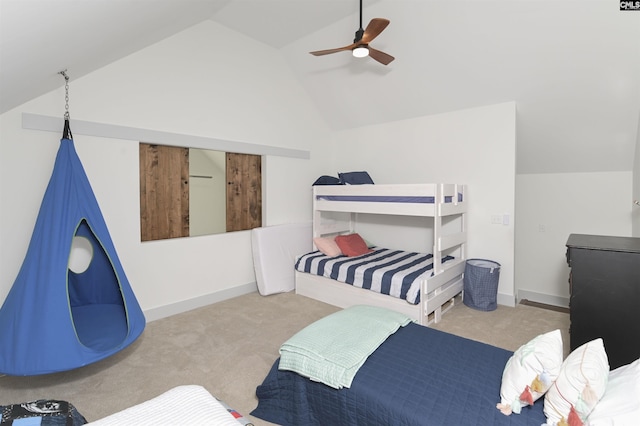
[
  {"x": 164, "y": 192},
  {"x": 244, "y": 191}
]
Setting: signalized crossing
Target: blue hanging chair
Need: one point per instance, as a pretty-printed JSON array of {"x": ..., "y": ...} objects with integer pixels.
[{"x": 55, "y": 319}]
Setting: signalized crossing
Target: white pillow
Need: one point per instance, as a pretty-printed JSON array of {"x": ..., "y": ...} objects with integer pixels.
[
  {"x": 620, "y": 404},
  {"x": 530, "y": 372},
  {"x": 580, "y": 385},
  {"x": 328, "y": 246}
]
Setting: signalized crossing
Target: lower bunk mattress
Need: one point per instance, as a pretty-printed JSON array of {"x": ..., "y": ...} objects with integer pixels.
[
  {"x": 393, "y": 272},
  {"x": 418, "y": 376}
]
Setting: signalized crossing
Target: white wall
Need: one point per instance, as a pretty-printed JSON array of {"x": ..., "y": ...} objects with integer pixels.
[
  {"x": 635, "y": 216},
  {"x": 474, "y": 147},
  {"x": 182, "y": 86},
  {"x": 550, "y": 207}
]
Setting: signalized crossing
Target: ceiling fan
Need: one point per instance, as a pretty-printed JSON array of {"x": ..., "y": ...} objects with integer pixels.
[{"x": 360, "y": 46}]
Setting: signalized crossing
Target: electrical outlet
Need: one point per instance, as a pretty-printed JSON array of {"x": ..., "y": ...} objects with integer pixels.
[{"x": 496, "y": 219}]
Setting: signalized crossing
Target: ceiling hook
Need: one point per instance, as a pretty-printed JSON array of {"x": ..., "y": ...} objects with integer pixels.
[
  {"x": 66, "y": 95},
  {"x": 64, "y": 74}
]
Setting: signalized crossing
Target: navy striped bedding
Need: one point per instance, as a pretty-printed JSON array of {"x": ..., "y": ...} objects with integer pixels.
[{"x": 393, "y": 272}]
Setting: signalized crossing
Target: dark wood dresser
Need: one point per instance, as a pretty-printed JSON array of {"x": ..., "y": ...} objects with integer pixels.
[{"x": 605, "y": 294}]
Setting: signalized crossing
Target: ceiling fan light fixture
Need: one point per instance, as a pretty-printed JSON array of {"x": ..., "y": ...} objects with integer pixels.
[
  {"x": 363, "y": 37},
  {"x": 361, "y": 51}
]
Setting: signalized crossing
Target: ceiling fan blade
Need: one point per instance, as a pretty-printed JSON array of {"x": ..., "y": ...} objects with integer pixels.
[
  {"x": 375, "y": 27},
  {"x": 329, "y": 51},
  {"x": 379, "y": 56}
]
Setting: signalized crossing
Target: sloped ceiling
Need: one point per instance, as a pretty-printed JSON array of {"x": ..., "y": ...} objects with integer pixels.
[{"x": 571, "y": 66}]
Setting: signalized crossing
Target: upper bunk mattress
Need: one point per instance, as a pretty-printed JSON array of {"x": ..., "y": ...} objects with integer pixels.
[
  {"x": 396, "y": 273},
  {"x": 386, "y": 198}
]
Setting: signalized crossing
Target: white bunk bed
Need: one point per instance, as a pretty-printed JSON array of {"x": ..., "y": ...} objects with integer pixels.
[{"x": 438, "y": 201}]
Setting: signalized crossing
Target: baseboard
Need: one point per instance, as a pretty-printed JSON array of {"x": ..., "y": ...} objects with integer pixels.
[
  {"x": 198, "y": 302},
  {"x": 543, "y": 298},
  {"x": 545, "y": 306},
  {"x": 506, "y": 300}
]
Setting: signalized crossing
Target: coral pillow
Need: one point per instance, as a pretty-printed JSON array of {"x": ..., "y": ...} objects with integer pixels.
[
  {"x": 352, "y": 245},
  {"x": 580, "y": 385},
  {"x": 328, "y": 246},
  {"x": 530, "y": 372}
]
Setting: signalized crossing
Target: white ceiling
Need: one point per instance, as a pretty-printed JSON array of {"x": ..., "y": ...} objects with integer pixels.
[{"x": 571, "y": 66}]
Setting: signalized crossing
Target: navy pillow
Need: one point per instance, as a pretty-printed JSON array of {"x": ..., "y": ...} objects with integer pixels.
[
  {"x": 355, "y": 178},
  {"x": 327, "y": 180}
]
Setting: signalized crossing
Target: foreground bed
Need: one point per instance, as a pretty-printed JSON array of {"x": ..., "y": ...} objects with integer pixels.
[
  {"x": 182, "y": 405},
  {"x": 418, "y": 376},
  {"x": 367, "y": 365}
]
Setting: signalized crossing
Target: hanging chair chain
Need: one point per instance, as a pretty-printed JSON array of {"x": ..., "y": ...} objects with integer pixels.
[{"x": 66, "y": 93}]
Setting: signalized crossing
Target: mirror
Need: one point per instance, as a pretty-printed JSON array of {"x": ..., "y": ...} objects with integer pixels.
[
  {"x": 191, "y": 192},
  {"x": 207, "y": 192}
]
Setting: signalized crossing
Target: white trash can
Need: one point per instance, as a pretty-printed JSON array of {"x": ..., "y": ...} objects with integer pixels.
[{"x": 481, "y": 278}]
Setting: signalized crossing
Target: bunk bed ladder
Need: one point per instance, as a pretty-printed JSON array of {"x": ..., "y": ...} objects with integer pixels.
[{"x": 442, "y": 287}]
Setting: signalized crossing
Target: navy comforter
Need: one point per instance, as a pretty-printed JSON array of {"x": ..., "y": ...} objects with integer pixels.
[{"x": 418, "y": 376}]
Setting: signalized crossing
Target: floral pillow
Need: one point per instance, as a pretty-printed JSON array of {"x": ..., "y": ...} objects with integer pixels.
[
  {"x": 580, "y": 385},
  {"x": 530, "y": 372},
  {"x": 328, "y": 246}
]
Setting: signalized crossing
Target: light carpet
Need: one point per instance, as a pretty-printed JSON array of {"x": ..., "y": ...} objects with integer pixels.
[{"x": 229, "y": 347}]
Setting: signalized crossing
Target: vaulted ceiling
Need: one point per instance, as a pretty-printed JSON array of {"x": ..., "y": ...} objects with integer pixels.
[{"x": 571, "y": 66}]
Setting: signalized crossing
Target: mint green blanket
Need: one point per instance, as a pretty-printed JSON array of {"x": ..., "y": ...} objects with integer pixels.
[{"x": 331, "y": 350}]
